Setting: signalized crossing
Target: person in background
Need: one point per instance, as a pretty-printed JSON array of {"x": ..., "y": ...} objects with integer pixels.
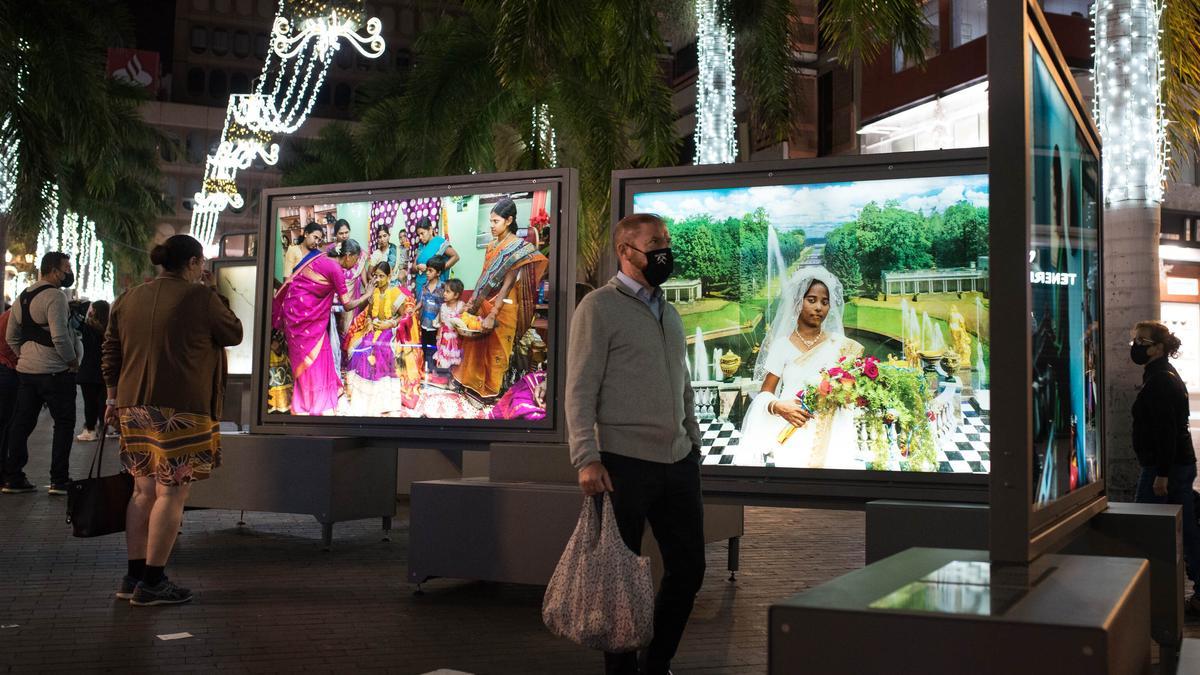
[
  {"x": 449, "y": 346},
  {"x": 505, "y": 300},
  {"x": 1162, "y": 439},
  {"x": 432, "y": 246},
  {"x": 164, "y": 364},
  {"x": 395, "y": 257},
  {"x": 308, "y": 248},
  {"x": 430, "y": 301},
  {"x": 9, "y": 382},
  {"x": 632, "y": 428},
  {"x": 89, "y": 378},
  {"x": 48, "y": 354}
]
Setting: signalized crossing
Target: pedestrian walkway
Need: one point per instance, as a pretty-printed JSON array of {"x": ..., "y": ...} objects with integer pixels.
[{"x": 269, "y": 600}]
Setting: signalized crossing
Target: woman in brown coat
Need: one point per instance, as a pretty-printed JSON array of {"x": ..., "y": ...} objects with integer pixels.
[{"x": 164, "y": 364}]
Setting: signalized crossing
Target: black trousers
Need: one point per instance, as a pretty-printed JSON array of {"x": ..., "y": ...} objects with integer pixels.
[
  {"x": 58, "y": 393},
  {"x": 668, "y": 496},
  {"x": 94, "y": 396},
  {"x": 9, "y": 383}
]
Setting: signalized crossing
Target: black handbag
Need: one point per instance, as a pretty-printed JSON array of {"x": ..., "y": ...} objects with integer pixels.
[{"x": 96, "y": 505}]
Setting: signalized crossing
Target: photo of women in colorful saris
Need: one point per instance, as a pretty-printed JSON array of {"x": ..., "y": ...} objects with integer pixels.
[
  {"x": 438, "y": 315},
  {"x": 836, "y": 325}
]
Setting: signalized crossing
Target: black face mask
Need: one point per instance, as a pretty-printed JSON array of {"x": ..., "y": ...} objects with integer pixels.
[
  {"x": 67, "y": 280},
  {"x": 659, "y": 265},
  {"x": 1140, "y": 354}
]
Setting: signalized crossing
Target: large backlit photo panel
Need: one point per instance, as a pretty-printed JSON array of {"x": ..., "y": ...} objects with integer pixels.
[
  {"x": 896, "y": 380},
  {"x": 1064, "y": 263},
  {"x": 386, "y": 334}
]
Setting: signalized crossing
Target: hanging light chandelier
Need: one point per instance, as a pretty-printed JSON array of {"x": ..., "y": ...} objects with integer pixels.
[{"x": 305, "y": 37}]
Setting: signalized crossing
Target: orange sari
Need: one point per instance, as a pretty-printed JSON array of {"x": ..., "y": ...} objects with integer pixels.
[{"x": 485, "y": 358}]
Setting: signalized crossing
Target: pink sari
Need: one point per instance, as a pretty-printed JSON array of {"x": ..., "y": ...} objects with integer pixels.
[{"x": 301, "y": 309}]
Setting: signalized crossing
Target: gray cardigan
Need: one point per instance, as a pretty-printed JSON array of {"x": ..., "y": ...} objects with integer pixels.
[{"x": 628, "y": 389}]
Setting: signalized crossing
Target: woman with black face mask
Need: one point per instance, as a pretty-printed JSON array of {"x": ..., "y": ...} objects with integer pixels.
[{"x": 1161, "y": 437}]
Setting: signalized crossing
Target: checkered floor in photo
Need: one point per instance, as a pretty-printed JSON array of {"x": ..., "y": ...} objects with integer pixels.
[{"x": 964, "y": 451}]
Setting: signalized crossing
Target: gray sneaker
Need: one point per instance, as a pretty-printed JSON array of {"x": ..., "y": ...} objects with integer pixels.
[
  {"x": 127, "y": 587},
  {"x": 164, "y": 592}
]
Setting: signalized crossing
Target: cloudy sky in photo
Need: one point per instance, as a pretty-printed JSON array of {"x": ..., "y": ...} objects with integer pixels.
[{"x": 816, "y": 207}]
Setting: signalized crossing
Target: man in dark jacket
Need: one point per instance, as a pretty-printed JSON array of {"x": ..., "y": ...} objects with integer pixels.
[{"x": 1162, "y": 440}]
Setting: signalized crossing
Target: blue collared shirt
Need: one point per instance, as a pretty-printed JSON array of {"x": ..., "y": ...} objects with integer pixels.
[{"x": 653, "y": 299}]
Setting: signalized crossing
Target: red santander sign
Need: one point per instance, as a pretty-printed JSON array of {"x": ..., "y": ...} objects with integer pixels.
[{"x": 134, "y": 66}]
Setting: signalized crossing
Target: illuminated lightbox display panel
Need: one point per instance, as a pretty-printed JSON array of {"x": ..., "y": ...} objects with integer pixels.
[
  {"x": 237, "y": 283},
  {"x": 399, "y": 356},
  {"x": 902, "y": 385},
  {"x": 1064, "y": 263}
]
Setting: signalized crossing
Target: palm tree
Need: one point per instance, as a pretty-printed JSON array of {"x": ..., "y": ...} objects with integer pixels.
[
  {"x": 1133, "y": 198},
  {"x": 70, "y": 130}
]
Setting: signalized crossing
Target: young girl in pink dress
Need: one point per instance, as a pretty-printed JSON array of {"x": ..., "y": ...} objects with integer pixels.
[{"x": 449, "y": 348}]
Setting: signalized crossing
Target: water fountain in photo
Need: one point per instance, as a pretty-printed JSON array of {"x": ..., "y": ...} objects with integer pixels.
[
  {"x": 700, "y": 370},
  {"x": 776, "y": 267},
  {"x": 982, "y": 394},
  {"x": 715, "y": 365}
]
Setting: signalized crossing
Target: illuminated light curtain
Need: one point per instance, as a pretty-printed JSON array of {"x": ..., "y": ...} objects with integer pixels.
[
  {"x": 1128, "y": 105},
  {"x": 716, "y": 127},
  {"x": 305, "y": 37}
]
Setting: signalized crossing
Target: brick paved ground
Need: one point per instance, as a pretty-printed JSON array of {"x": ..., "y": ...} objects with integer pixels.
[{"x": 269, "y": 600}]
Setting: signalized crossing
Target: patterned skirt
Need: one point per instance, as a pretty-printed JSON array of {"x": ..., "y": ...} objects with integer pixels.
[{"x": 175, "y": 448}]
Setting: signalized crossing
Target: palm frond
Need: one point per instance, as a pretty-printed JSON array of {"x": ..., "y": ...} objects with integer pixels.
[
  {"x": 764, "y": 41},
  {"x": 858, "y": 29},
  {"x": 1181, "y": 86}
]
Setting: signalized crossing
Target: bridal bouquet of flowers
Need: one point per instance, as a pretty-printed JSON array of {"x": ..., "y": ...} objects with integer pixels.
[{"x": 884, "y": 397}]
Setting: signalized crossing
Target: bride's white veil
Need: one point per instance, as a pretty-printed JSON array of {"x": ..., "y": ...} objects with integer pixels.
[{"x": 787, "y": 313}]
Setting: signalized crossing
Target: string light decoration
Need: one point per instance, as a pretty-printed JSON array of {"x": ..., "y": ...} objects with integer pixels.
[
  {"x": 75, "y": 235},
  {"x": 1127, "y": 105},
  {"x": 305, "y": 37},
  {"x": 716, "y": 131},
  {"x": 543, "y": 134}
]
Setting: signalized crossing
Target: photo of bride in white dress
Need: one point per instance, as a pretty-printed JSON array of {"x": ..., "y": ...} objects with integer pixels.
[{"x": 806, "y": 335}]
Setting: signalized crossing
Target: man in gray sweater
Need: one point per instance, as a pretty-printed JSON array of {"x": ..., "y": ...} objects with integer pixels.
[
  {"x": 632, "y": 425},
  {"x": 48, "y": 352}
]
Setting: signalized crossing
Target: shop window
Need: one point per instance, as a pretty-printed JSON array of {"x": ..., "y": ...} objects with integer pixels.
[
  {"x": 241, "y": 44},
  {"x": 341, "y": 96},
  {"x": 323, "y": 95},
  {"x": 968, "y": 20},
  {"x": 239, "y": 84},
  {"x": 220, "y": 41},
  {"x": 407, "y": 22},
  {"x": 261, "y": 44},
  {"x": 932, "y": 18},
  {"x": 195, "y": 82},
  {"x": 168, "y": 149},
  {"x": 199, "y": 39},
  {"x": 403, "y": 59},
  {"x": 387, "y": 16},
  {"x": 218, "y": 85}
]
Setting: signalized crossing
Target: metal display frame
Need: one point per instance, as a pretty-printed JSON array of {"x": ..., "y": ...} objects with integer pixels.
[
  {"x": 1019, "y": 533},
  {"x": 828, "y": 488},
  {"x": 564, "y": 187}
]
